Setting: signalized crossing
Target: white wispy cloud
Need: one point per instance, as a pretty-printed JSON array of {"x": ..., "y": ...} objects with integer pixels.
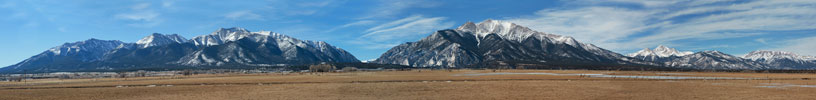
[
  {"x": 804, "y": 46},
  {"x": 391, "y": 8},
  {"x": 141, "y": 16},
  {"x": 411, "y": 26},
  {"x": 140, "y": 6},
  {"x": 138, "y": 16},
  {"x": 285, "y": 8},
  {"x": 646, "y": 3},
  {"x": 394, "y": 23},
  {"x": 398, "y": 31},
  {"x": 620, "y": 28},
  {"x": 761, "y": 40},
  {"x": 756, "y": 16},
  {"x": 598, "y": 25},
  {"x": 362, "y": 22},
  {"x": 243, "y": 15},
  {"x": 705, "y": 2},
  {"x": 356, "y": 23},
  {"x": 31, "y": 24},
  {"x": 17, "y": 15},
  {"x": 62, "y": 29},
  {"x": 316, "y": 3},
  {"x": 167, "y": 4}
]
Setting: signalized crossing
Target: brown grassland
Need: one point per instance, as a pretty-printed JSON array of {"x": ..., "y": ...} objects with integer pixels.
[{"x": 425, "y": 84}]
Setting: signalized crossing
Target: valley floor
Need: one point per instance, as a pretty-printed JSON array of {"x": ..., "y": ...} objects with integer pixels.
[{"x": 429, "y": 84}]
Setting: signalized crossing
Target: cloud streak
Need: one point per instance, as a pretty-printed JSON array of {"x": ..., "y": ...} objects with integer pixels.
[
  {"x": 138, "y": 16},
  {"x": 414, "y": 25},
  {"x": 669, "y": 22},
  {"x": 390, "y": 8},
  {"x": 243, "y": 15},
  {"x": 141, "y": 16},
  {"x": 804, "y": 46},
  {"x": 357, "y": 23},
  {"x": 398, "y": 31},
  {"x": 140, "y": 6}
]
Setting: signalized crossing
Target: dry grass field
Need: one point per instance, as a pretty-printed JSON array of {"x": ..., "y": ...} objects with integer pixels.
[{"x": 427, "y": 84}]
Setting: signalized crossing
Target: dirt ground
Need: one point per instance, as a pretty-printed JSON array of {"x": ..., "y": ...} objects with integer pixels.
[{"x": 425, "y": 84}]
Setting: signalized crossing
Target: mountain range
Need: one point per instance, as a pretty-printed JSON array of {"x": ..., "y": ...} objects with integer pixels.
[
  {"x": 487, "y": 44},
  {"x": 782, "y": 59},
  {"x": 756, "y": 60},
  {"x": 230, "y": 47},
  {"x": 491, "y": 42}
]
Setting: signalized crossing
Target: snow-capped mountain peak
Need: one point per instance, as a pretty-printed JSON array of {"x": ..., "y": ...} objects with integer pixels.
[
  {"x": 660, "y": 51},
  {"x": 504, "y": 29},
  {"x": 92, "y": 44},
  {"x": 644, "y": 52},
  {"x": 224, "y": 35},
  {"x": 514, "y": 32},
  {"x": 231, "y": 34},
  {"x": 156, "y": 39}
]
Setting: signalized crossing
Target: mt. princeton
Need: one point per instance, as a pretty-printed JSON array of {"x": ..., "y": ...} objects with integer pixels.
[
  {"x": 494, "y": 42},
  {"x": 223, "y": 48}
]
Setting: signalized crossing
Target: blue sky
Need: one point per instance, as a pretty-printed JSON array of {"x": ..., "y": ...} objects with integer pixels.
[{"x": 369, "y": 28}]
